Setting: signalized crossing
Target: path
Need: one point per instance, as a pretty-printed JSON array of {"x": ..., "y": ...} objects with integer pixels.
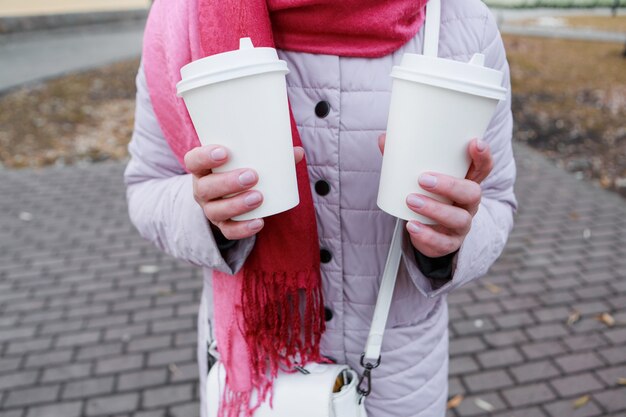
[
  {"x": 31, "y": 57},
  {"x": 94, "y": 321},
  {"x": 35, "y": 56}
]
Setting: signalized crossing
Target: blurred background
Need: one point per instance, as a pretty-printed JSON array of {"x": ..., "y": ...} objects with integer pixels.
[{"x": 96, "y": 322}]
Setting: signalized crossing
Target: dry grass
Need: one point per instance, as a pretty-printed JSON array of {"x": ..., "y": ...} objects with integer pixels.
[
  {"x": 603, "y": 23},
  {"x": 570, "y": 102},
  {"x": 608, "y": 23},
  {"x": 38, "y": 7},
  {"x": 88, "y": 116}
]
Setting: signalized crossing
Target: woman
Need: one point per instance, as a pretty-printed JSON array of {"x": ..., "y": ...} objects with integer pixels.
[{"x": 340, "y": 55}]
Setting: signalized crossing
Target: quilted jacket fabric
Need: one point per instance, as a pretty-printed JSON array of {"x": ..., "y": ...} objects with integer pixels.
[{"x": 342, "y": 150}]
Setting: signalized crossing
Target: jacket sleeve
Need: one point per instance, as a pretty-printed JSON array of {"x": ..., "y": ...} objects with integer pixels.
[
  {"x": 160, "y": 197},
  {"x": 494, "y": 220}
]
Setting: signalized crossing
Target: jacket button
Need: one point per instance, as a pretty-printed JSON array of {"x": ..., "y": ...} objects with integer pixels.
[
  {"x": 328, "y": 314},
  {"x": 325, "y": 256},
  {"x": 322, "y": 187},
  {"x": 322, "y": 109}
]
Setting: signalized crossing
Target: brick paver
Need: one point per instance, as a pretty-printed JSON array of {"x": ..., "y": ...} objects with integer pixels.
[
  {"x": 82, "y": 331},
  {"x": 94, "y": 321}
]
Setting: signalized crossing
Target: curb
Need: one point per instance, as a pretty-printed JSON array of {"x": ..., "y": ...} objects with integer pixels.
[{"x": 15, "y": 24}]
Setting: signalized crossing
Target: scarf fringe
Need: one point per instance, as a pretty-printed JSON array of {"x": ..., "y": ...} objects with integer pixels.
[
  {"x": 235, "y": 404},
  {"x": 283, "y": 322}
]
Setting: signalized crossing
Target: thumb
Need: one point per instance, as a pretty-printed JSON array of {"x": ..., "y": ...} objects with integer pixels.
[
  {"x": 381, "y": 143},
  {"x": 298, "y": 153},
  {"x": 482, "y": 161}
]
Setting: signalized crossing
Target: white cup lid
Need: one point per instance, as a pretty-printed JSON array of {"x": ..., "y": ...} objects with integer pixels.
[
  {"x": 471, "y": 77},
  {"x": 242, "y": 62}
]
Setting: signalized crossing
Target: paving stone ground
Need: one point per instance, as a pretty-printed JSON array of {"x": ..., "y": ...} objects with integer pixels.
[{"x": 96, "y": 322}]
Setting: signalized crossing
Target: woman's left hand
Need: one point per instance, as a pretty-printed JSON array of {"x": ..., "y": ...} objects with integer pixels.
[{"x": 454, "y": 221}]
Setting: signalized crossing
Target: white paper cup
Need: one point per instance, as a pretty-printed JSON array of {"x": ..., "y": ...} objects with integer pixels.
[
  {"x": 238, "y": 99},
  {"x": 437, "y": 107}
]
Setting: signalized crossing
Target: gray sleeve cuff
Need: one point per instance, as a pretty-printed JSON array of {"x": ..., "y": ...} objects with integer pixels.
[
  {"x": 234, "y": 252},
  {"x": 437, "y": 270}
]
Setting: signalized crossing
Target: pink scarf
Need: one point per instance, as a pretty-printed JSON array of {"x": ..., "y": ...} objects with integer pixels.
[{"x": 269, "y": 316}]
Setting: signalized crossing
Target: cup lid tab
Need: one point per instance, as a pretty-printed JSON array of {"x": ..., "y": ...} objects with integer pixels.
[
  {"x": 245, "y": 43},
  {"x": 478, "y": 60},
  {"x": 242, "y": 62},
  {"x": 466, "y": 76}
]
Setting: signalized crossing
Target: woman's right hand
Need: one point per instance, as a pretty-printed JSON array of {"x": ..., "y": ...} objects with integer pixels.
[{"x": 210, "y": 188}]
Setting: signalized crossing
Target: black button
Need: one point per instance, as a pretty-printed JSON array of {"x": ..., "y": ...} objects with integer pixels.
[
  {"x": 328, "y": 314},
  {"x": 322, "y": 187},
  {"x": 322, "y": 109},
  {"x": 325, "y": 256}
]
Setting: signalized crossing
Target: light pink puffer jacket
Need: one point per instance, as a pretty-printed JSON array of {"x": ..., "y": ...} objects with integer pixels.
[{"x": 342, "y": 150}]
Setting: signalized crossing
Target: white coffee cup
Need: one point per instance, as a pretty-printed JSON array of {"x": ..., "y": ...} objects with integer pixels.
[
  {"x": 238, "y": 99},
  {"x": 437, "y": 106}
]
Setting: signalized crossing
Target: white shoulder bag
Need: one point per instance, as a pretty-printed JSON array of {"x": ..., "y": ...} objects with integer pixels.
[{"x": 312, "y": 390}]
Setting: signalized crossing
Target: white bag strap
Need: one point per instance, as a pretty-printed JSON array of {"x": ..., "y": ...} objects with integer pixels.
[
  {"x": 383, "y": 303},
  {"x": 431, "y": 28},
  {"x": 370, "y": 359}
]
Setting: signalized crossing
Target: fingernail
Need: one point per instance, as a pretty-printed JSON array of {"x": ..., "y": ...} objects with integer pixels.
[
  {"x": 218, "y": 154},
  {"x": 415, "y": 201},
  {"x": 413, "y": 228},
  {"x": 481, "y": 145},
  {"x": 247, "y": 178},
  {"x": 427, "y": 180},
  {"x": 253, "y": 199},
  {"x": 255, "y": 224}
]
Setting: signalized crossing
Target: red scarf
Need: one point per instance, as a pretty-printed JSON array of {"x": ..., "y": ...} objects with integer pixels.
[{"x": 270, "y": 315}]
